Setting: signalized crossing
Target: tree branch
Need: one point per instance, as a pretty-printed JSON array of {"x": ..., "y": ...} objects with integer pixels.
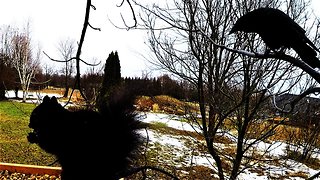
[
  {"x": 89, "y": 64},
  {"x": 56, "y": 59},
  {"x": 276, "y": 55},
  {"x": 133, "y": 15},
  {"x": 83, "y": 33},
  {"x": 94, "y": 28}
]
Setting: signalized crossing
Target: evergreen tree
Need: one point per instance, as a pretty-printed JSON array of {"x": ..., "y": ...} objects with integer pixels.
[
  {"x": 111, "y": 80},
  {"x": 112, "y": 74}
]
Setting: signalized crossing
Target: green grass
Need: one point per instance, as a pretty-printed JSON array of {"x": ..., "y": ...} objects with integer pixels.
[
  {"x": 159, "y": 125},
  {"x": 14, "y": 146}
]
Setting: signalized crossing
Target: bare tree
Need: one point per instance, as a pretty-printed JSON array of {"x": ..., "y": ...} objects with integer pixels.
[
  {"x": 189, "y": 39},
  {"x": 92, "y": 81},
  {"x": 25, "y": 58},
  {"x": 67, "y": 50},
  {"x": 303, "y": 137},
  {"x": 48, "y": 70}
]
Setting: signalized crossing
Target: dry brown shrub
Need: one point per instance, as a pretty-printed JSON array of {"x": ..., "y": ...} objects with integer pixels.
[
  {"x": 298, "y": 174},
  {"x": 144, "y": 103},
  {"x": 163, "y": 103}
]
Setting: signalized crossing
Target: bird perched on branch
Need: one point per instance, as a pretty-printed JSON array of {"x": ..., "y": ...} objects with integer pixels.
[{"x": 278, "y": 30}]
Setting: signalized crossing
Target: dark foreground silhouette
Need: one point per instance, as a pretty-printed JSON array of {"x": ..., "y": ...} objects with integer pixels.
[
  {"x": 89, "y": 145},
  {"x": 278, "y": 30}
]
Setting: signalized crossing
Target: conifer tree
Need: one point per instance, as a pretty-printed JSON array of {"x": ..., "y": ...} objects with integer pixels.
[
  {"x": 111, "y": 80},
  {"x": 112, "y": 74}
]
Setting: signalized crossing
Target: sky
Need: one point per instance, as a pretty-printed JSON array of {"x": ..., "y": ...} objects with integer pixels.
[{"x": 54, "y": 21}]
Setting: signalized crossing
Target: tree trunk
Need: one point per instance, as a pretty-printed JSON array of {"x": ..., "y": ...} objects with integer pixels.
[
  {"x": 24, "y": 97},
  {"x": 2, "y": 92}
]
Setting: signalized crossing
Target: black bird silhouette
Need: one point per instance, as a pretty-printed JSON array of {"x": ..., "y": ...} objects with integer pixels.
[{"x": 278, "y": 30}]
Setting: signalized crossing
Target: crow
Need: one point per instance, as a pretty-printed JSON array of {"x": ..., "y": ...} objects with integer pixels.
[{"x": 278, "y": 30}]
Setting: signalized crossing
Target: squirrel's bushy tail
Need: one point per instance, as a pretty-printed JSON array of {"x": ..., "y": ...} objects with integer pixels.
[{"x": 121, "y": 117}]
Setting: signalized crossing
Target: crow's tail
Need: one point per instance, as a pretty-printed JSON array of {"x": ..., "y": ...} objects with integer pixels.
[{"x": 308, "y": 55}]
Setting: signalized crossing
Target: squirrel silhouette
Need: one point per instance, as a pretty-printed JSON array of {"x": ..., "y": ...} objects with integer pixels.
[{"x": 88, "y": 144}]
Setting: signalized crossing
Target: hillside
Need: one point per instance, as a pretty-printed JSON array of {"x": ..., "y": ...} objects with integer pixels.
[{"x": 177, "y": 146}]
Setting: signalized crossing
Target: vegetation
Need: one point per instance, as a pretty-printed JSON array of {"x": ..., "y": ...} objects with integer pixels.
[
  {"x": 111, "y": 80},
  {"x": 165, "y": 103},
  {"x": 14, "y": 118},
  {"x": 17, "y": 52},
  {"x": 233, "y": 86},
  {"x": 67, "y": 50},
  {"x": 15, "y": 148}
]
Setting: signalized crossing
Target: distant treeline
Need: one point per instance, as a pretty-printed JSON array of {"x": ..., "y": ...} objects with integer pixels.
[
  {"x": 91, "y": 82},
  {"x": 162, "y": 85}
]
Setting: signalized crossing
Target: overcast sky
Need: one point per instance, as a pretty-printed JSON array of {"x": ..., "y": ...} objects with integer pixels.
[{"x": 53, "y": 21}]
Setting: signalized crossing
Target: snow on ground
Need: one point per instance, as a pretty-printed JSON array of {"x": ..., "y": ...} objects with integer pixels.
[
  {"x": 164, "y": 139},
  {"x": 170, "y": 120},
  {"x": 33, "y": 97},
  {"x": 276, "y": 150}
]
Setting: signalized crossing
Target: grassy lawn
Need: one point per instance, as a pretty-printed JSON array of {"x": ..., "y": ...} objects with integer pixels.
[{"x": 14, "y": 146}]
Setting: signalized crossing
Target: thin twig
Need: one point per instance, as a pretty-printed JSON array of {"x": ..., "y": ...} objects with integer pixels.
[
  {"x": 89, "y": 63},
  {"x": 63, "y": 61},
  {"x": 94, "y": 28},
  {"x": 56, "y": 59},
  {"x": 133, "y": 15}
]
